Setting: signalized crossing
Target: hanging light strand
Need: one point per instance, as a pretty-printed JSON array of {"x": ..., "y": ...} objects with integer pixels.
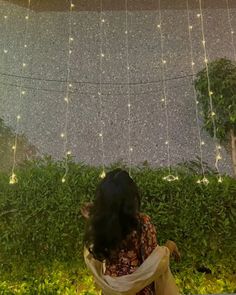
[
  {"x": 201, "y": 142},
  {"x": 102, "y": 55},
  {"x": 169, "y": 177},
  {"x": 128, "y": 84},
  {"x": 210, "y": 94},
  {"x": 13, "y": 177},
  {"x": 64, "y": 135},
  {"x": 231, "y": 28}
]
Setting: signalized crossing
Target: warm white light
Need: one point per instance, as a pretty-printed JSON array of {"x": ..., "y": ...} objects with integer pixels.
[
  {"x": 13, "y": 147},
  {"x": 202, "y": 143},
  {"x": 193, "y": 63},
  {"x": 100, "y": 134},
  {"x": 23, "y": 92},
  {"x": 27, "y": 17},
  {"x": 213, "y": 114},
  {"x": 66, "y": 99},
  {"x": 206, "y": 60},
  {"x": 164, "y": 61},
  {"x": 162, "y": 99},
  {"x": 103, "y": 174},
  {"x": 5, "y": 50},
  {"x": 211, "y": 93},
  {"x": 25, "y": 45},
  {"x": 70, "y": 85},
  {"x": 232, "y": 32},
  {"x": 220, "y": 179},
  {"x": 102, "y": 54},
  {"x": 13, "y": 179},
  {"x": 159, "y": 26},
  {"x": 62, "y": 135},
  {"x": 71, "y": 39},
  {"x": 131, "y": 149},
  {"x": 72, "y": 5},
  {"x": 103, "y": 20},
  {"x": 18, "y": 117},
  {"x": 126, "y": 32},
  {"x": 5, "y": 16},
  {"x": 190, "y": 27},
  {"x": 198, "y": 15},
  {"x": 129, "y": 105},
  {"x": 68, "y": 153},
  {"x": 167, "y": 142},
  {"x": 218, "y": 157},
  {"x": 63, "y": 180},
  {"x": 24, "y": 64},
  {"x": 203, "y": 42}
]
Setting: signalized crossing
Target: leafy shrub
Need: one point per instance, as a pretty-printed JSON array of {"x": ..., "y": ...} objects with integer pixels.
[{"x": 42, "y": 228}]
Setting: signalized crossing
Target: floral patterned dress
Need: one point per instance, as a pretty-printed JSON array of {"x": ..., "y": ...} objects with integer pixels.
[{"x": 133, "y": 251}]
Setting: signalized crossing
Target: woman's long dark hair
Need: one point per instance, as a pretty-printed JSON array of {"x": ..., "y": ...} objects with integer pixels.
[{"x": 114, "y": 214}]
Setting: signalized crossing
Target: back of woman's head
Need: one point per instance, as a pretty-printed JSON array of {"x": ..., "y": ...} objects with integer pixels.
[{"x": 114, "y": 214}]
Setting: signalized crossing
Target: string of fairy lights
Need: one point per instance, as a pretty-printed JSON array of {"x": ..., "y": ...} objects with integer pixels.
[
  {"x": 169, "y": 177},
  {"x": 64, "y": 135},
  {"x": 102, "y": 55},
  {"x": 130, "y": 149},
  {"x": 164, "y": 97},
  {"x": 201, "y": 142},
  {"x": 22, "y": 92},
  {"x": 231, "y": 29},
  {"x": 212, "y": 114}
]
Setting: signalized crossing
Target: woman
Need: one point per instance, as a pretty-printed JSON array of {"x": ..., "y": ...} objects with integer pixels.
[{"x": 117, "y": 232}]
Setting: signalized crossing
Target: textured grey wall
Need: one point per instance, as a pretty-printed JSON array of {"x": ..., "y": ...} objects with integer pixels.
[{"x": 42, "y": 108}]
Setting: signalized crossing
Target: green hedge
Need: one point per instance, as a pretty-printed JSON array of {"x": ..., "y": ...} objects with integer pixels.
[{"x": 42, "y": 229}]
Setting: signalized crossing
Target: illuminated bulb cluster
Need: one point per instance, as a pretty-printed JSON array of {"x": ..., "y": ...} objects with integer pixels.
[
  {"x": 103, "y": 174},
  {"x": 204, "y": 180},
  {"x": 171, "y": 178}
]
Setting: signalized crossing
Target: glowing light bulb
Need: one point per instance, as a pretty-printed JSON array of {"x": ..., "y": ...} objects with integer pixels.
[
  {"x": 68, "y": 153},
  {"x": 220, "y": 179},
  {"x": 203, "y": 42},
  {"x": 205, "y": 180},
  {"x": 100, "y": 134},
  {"x": 213, "y": 114},
  {"x": 162, "y": 99},
  {"x": 232, "y": 32},
  {"x": 13, "y": 179},
  {"x": 14, "y": 147},
  {"x": 66, "y": 99},
  {"x": 190, "y": 27},
  {"x": 206, "y": 60},
  {"x": 167, "y": 142},
  {"x": 5, "y": 51},
  {"x": 131, "y": 149},
  {"x": 193, "y": 63},
  {"x": 102, "y": 54},
  {"x": 202, "y": 143},
  {"x": 164, "y": 61},
  {"x": 5, "y": 16},
  {"x": 198, "y": 15},
  {"x": 70, "y": 85},
  {"x": 18, "y": 117},
  {"x": 210, "y": 93},
  {"x": 27, "y": 17},
  {"x": 159, "y": 26},
  {"x": 103, "y": 20},
  {"x": 72, "y": 5},
  {"x": 126, "y": 32},
  {"x": 71, "y": 39},
  {"x": 129, "y": 105},
  {"x": 23, "y": 92},
  {"x": 25, "y": 45},
  {"x": 197, "y": 102},
  {"x": 62, "y": 135},
  {"x": 103, "y": 174},
  {"x": 63, "y": 180}
]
